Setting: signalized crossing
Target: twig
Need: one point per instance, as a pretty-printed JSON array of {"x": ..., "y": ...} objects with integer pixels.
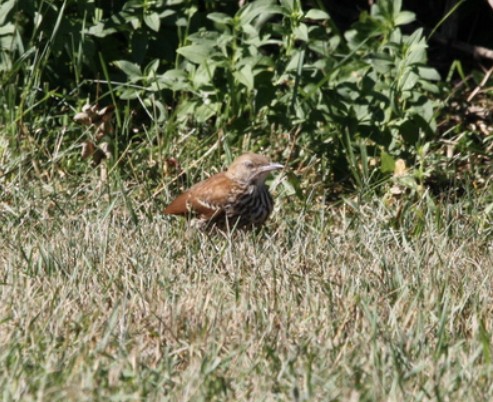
[
  {"x": 475, "y": 51},
  {"x": 481, "y": 85}
]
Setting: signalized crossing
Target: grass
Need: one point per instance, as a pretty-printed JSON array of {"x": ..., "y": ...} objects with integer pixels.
[
  {"x": 104, "y": 298},
  {"x": 327, "y": 304}
]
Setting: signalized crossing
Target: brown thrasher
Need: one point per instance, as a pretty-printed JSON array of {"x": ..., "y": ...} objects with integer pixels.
[{"x": 235, "y": 198}]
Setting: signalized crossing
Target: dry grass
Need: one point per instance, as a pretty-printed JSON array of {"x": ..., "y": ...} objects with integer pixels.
[{"x": 331, "y": 305}]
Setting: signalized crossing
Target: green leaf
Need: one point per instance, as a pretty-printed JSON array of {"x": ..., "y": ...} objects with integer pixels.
[
  {"x": 416, "y": 56},
  {"x": 167, "y": 13},
  {"x": 152, "y": 21},
  {"x": 132, "y": 70},
  {"x": 250, "y": 31},
  {"x": 205, "y": 111},
  {"x": 315, "y": 14},
  {"x": 288, "y": 4},
  {"x": 134, "y": 22},
  {"x": 301, "y": 32},
  {"x": 362, "y": 112},
  {"x": 174, "y": 79},
  {"x": 220, "y": 18},
  {"x": 395, "y": 37},
  {"x": 429, "y": 73},
  {"x": 174, "y": 74},
  {"x": 416, "y": 38},
  {"x": 409, "y": 81},
  {"x": 396, "y": 6},
  {"x": 129, "y": 94},
  {"x": 245, "y": 76},
  {"x": 387, "y": 163},
  {"x": 7, "y": 29},
  {"x": 185, "y": 109},
  {"x": 195, "y": 53},
  {"x": 203, "y": 75},
  {"x": 156, "y": 105},
  {"x": 404, "y": 17},
  {"x": 5, "y": 8},
  {"x": 151, "y": 68},
  {"x": 100, "y": 31},
  {"x": 294, "y": 62},
  {"x": 205, "y": 38},
  {"x": 256, "y": 9},
  {"x": 427, "y": 86},
  {"x": 382, "y": 62},
  {"x": 292, "y": 185}
]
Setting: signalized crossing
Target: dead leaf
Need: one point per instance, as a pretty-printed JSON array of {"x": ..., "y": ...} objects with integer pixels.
[
  {"x": 82, "y": 118},
  {"x": 97, "y": 157},
  {"x": 106, "y": 148},
  {"x": 88, "y": 149},
  {"x": 101, "y": 120},
  {"x": 400, "y": 168}
]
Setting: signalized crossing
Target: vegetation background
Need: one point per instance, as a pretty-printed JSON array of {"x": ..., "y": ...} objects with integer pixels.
[{"x": 371, "y": 282}]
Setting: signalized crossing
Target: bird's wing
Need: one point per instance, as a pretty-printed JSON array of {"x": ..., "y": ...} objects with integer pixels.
[{"x": 206, "y": 199}]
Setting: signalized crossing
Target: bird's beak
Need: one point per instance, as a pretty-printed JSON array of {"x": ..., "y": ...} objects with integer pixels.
[{"x": 270, "y": 167}]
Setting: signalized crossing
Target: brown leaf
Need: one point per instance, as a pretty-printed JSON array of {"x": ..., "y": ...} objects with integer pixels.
[
  {"x": 173, "y": 163},
  {"x": 105, "y": 128},
  {"x": 107, "y": 112},
  {"x": 106, "y": 148},
  {"x": 97, "y": 157},
  {"x": 400, "y": 168},
  {"x": 82, "y": 118},
  {"x": 88, "y": 149}
]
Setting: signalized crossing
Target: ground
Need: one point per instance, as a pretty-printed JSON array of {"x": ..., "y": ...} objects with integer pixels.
[{"x": 325, "y": 303}]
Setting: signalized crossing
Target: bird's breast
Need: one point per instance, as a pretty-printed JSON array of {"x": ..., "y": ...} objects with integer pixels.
[{"x": 253, "y": 207}]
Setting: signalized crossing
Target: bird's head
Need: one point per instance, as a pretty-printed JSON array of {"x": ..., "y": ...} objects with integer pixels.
[{"x": 251, "y": 168}]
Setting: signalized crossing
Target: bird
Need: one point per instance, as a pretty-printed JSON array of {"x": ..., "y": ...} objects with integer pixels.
[{"x": 237, "y": 198}]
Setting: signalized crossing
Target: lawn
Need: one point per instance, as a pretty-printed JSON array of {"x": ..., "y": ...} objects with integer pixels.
[
  {"x": 351, "y": 301},
  {"x": 372, "y": 280}
]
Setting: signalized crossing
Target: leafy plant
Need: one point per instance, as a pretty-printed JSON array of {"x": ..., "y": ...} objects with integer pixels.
[
  {"x": 356, "y": 97},
  {"x": 359, "y": 100}
]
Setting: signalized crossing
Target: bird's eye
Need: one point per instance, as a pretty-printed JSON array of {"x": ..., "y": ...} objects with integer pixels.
[{"x": 249, "y": 164}]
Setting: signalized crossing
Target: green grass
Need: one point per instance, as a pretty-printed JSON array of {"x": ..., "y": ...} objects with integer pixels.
[{"x": 328, "y": 304}]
